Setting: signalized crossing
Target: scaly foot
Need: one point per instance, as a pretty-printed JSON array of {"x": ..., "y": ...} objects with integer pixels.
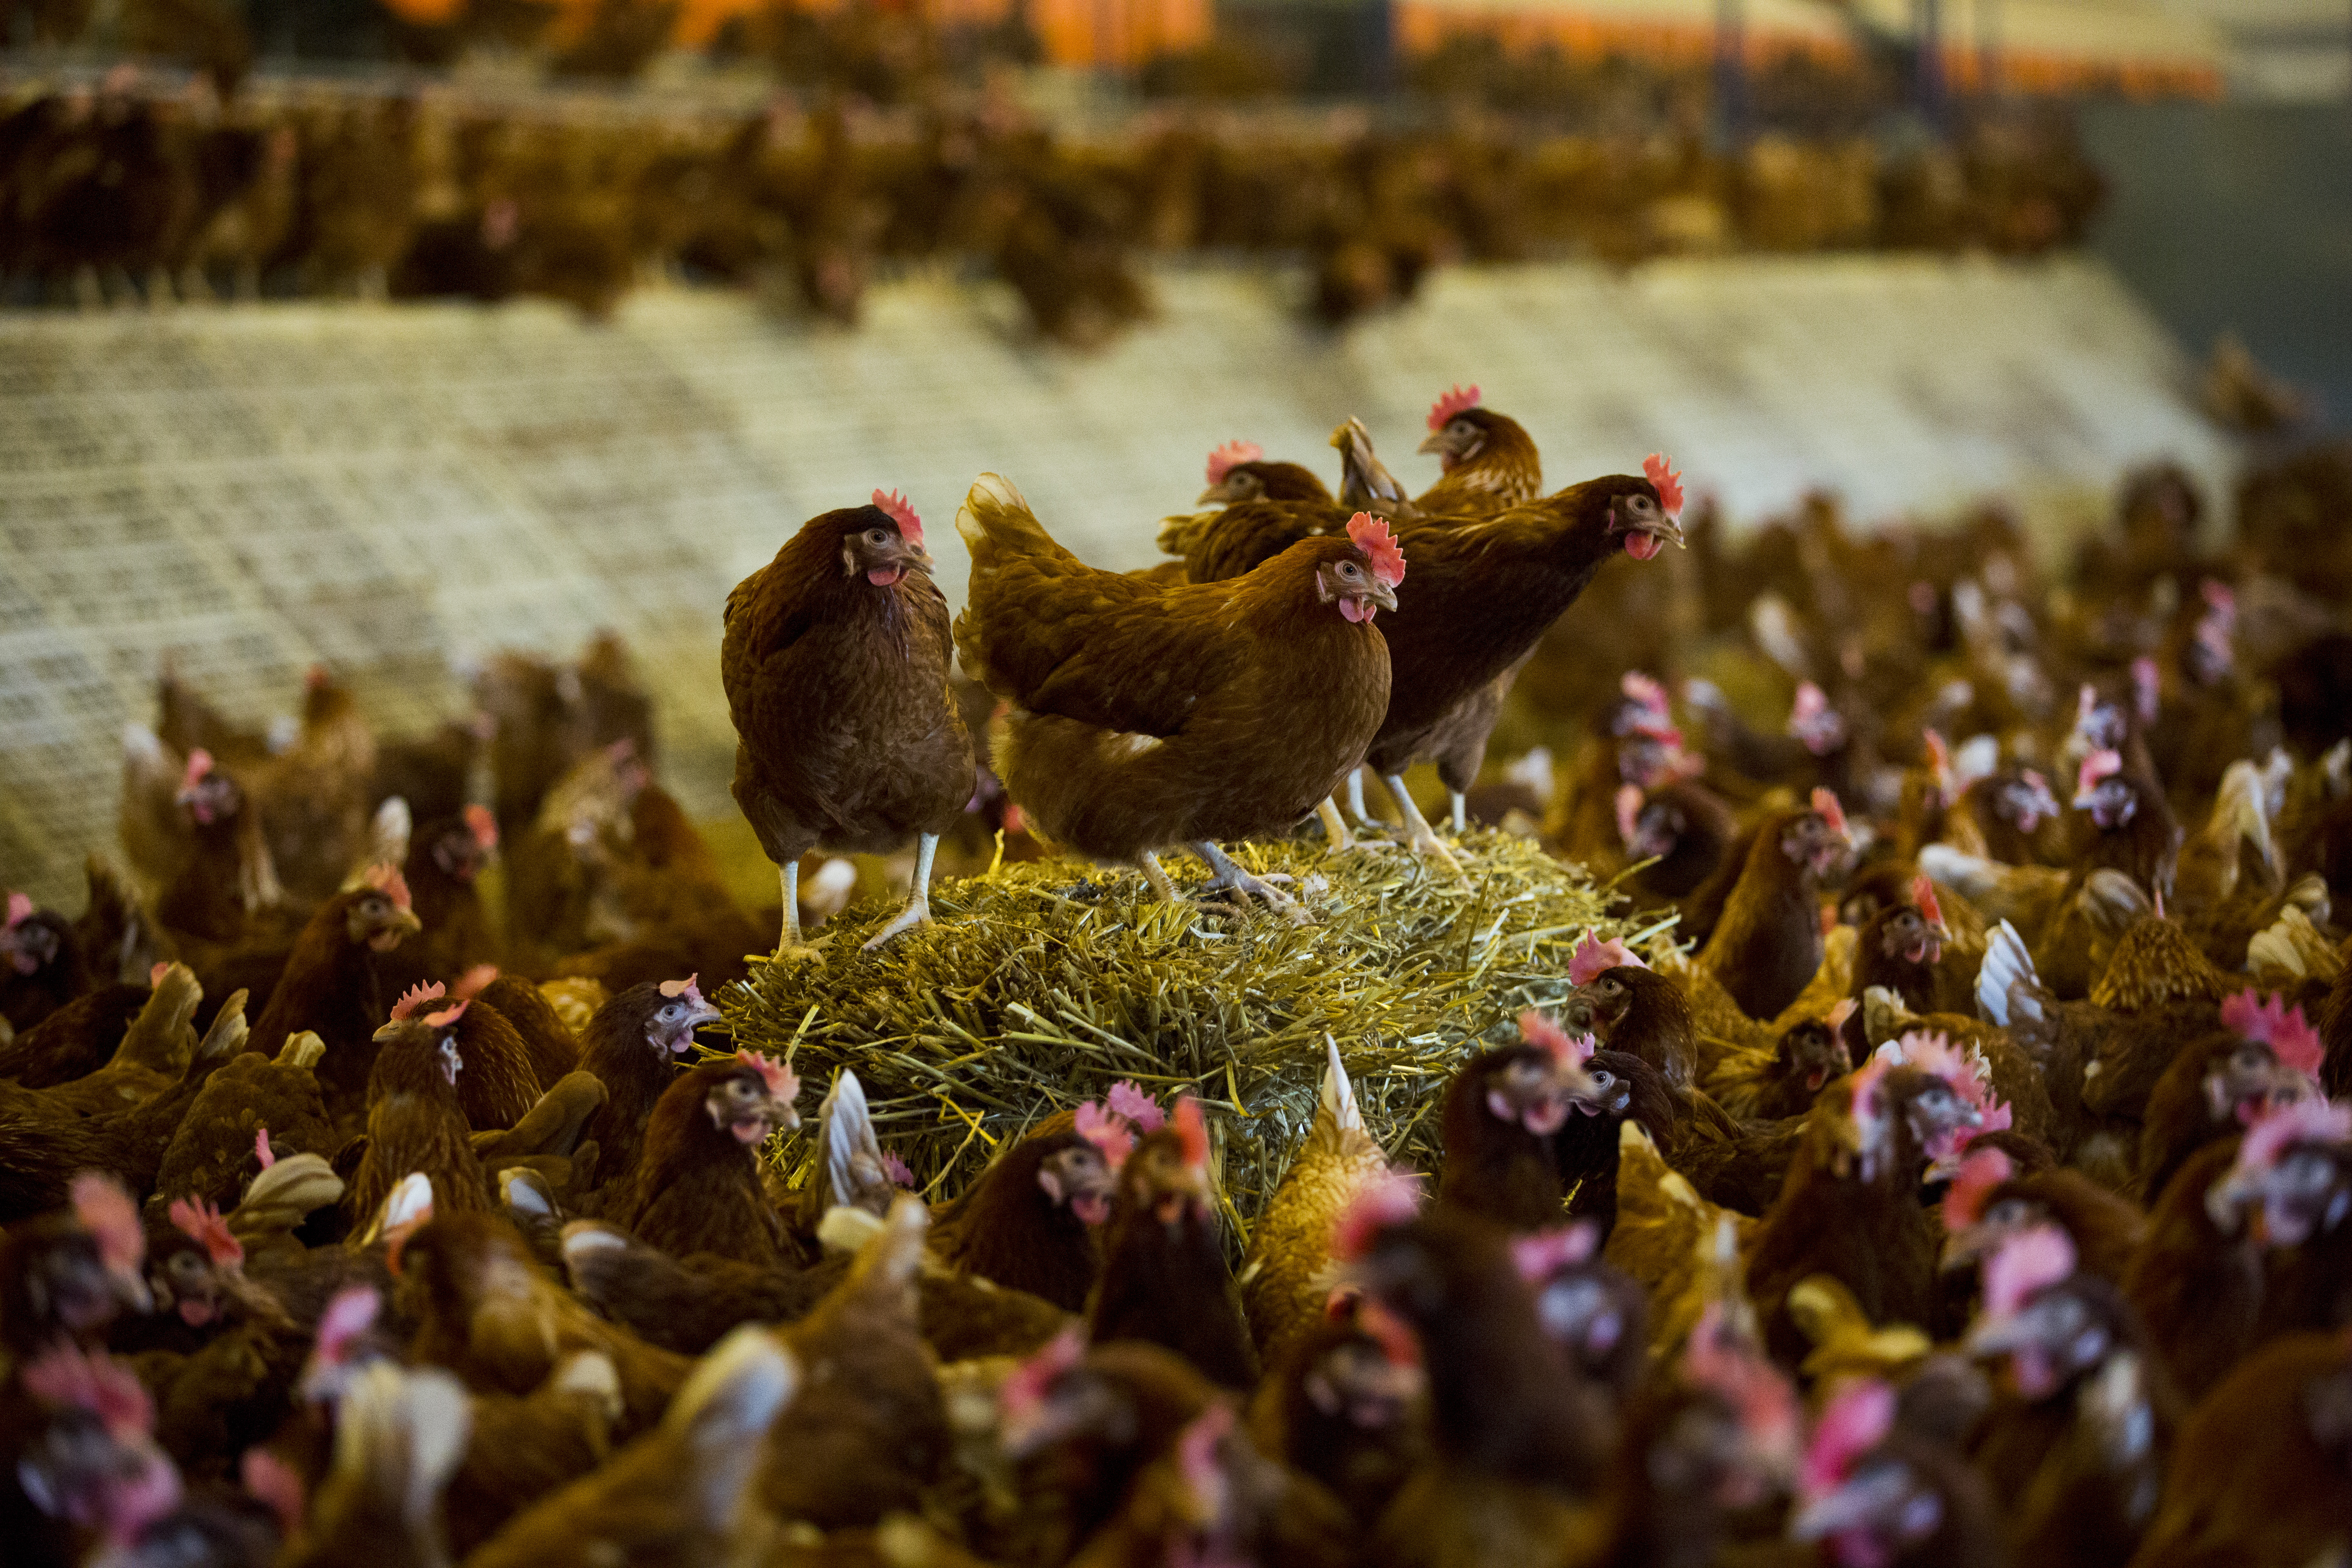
[
  {"x": 917, "y": 912},
  {"x": 1229, "y": 877}
]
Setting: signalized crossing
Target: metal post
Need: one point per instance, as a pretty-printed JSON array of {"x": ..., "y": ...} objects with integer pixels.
[
  {"x": 1731, "y": 72},
  {"x": 1988, "y": 49},
  {"x": 1929, "y": 17}
]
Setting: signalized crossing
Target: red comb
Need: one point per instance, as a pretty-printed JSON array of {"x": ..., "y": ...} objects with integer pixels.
[
  {"x": 1109, "y": 1134},
  {"x": 201, "y": 1223},
  {"x": 1939, "y": 757},
  {"x": 2027, "y": 1264},
  {"x": 20, "y": 910},
  {"x": 2305, "y": 1121},
  {"x": 1372, "y": 536},
  {"x": 1728, "y": 1366},
  {"x": 482, "y": 826},
  {"x": 1979, "y": 1174},
  {"x": 1854, "y": 1422},
  {"x": 674, "y": 989},
  {"x": 107, "y": 1212},
  {"x": 782, "y": 1084},
  {"x": 415, "y": 996},
  {"x": 1629, "y": 813},
  {"x": 1846, "y": 1008},
  {"x": 261, "y": 1149},
  {"x": 1193, "y": 1132},
  {"x": 1223, "y": 460},
  {"x": 350, "y": 1314},
  {"x": 388, "y": 880},
  {"x": 474, "y": 982},
  {"x": 1196, "y": 1454},
  {"x": 1922, "y": 893},
  {"x": 446, "y": 1016},
  {"x": 1554, "y": 1041},
  {"x": 155, "y": 974},
  {"x": 200, "y": 763},
  {"x": 2287, "y": 1033},
  {"x": 271, "y": 1481},
  {"x": 1126, "y": 1099},
  {"x": 1391, "y": 1198},
  {"x": 1825, "y": 801},
  {"x": 902, "y": 512},
  {"x": 1591, "y": 957},
  {"x": 1643, "y": 690},
  {"x": 1669, "y": 483},
  {"x": 1399, "y": 1346},
  {"x": 97, "y": 1384},
  {"x": 901, "y": 1174},
  {"x": 2148, "y": 688},
  {"x": 1544, "y": 1253},
  {"x": 1025, "y": 1387},
  {"x": 1461, "y": 400}
]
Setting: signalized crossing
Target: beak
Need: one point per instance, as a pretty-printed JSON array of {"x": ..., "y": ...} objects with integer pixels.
[
  {"x": 1215, "y": 492},
  {"x": 1668, "y": 529},
  {"x": 404, "y": 923},
  {"x": 1436, "y": 442},
  {"x": 1992, "y": 1336},
  {"x": 1964, "y": 1249},
  {"x": 131, "y": 1286},
  {"x": 1380, "y": 594},
  {"x": 787, "y": 1118},
  {"x": 704, "y": 1014},
  {"x": 1861, "y": 1501},
  {"x": 914, "y": 557}
]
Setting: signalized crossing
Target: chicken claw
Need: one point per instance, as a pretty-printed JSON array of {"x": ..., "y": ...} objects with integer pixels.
[
  {"x": 917, "y": 911},
  {"x": 1419, "y": 838},
  {"x": 1231, "y": 878}
]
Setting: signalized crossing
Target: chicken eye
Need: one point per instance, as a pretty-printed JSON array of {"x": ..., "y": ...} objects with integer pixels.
[
  {"x": 372, "y": 907},
  {"x": 1603, "y": 1079},
  {"x": 877, "y": 536},
  {"x": 1639, "y": 503},
  {"x": 1347, "y": 568}
]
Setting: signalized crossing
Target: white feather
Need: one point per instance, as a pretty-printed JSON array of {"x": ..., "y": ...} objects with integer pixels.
[{"x": 2005, "y": 962}]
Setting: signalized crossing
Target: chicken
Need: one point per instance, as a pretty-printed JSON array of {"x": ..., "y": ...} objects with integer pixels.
[
  {"x": 1345, "y": 1403},
  {"x": 697, "y": 1187},
  {"x": 415, "y": 1121},
  {"x": 398, "y": 1438},
  {"x": 1239, "y": 471},
  {"x": 1215, "y": 1498},
  {"x": 2262, "y": 1059},
  {"x": 488, "y": 1314},
  {"x": 1164, "y": 1278},
  {"x": 1991, "y": 1199},
  {"x": 1635, "y": 1010},
  {"x": 630, "y": 1044},
  {"x": 88, "y": 1461},
  {"x": 2081, "y": 1434},
  {"x": 1283, "y": 1283},
  {"x": 444, "y": 857},
  {"x": 837, "y": 681},
  {"x": 251, "y": 1104},
  {"x": 867, "y": 1431},
  {"x": 2258, "y": 1471},
  {"x": 1876, "y": 1491},
  {"x": 1500, "y": 1117},
  {"x": 635, "y": 1509},
  {"x": 1490, "y": 463},
  {"x": 1900, "y": 947},
  {"x": 1450, "y": 642},
  {"x": 330, "y": 987},
  {"x": 1518, "y": 1439},
  {"x": 1143, "y": 715},
  {"x": 2125, "y": 824},
  {"x": 2196, "y": 1279},
  {"x": 65, "y": 1276},
  {"x": 313, "y": 798},
  {"x": 1850, "y": 1206},
  {"x": 1030, "y": 1221},
  {"x": 1768, "y": 944}
]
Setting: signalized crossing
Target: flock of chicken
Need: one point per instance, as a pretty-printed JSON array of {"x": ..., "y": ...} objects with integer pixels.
[
  {"x": 119, "y": 193},
  {"x": 1964, "y": 1188}
]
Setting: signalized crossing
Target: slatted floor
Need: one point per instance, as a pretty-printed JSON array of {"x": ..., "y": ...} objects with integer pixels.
[{"x": 398, "y": 489}]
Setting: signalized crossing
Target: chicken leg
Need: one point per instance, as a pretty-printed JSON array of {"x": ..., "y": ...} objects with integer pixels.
[
  {"x": 792, "y": 945},
  {"x": 1461, "y": 812},
  {"x": 1230, "y": 878},
  {"x": 1419, "y": 838},
  {"x": 917, "y": 911}
]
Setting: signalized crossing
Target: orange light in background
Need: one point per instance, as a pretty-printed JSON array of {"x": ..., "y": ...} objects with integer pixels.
[{"x": 424, "y": 11}]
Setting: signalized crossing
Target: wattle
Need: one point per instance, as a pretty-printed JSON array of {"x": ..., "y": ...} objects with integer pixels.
[
  {"x": 886, "y": 576},
  {"x": 1360, "y": 611},
  {"x": 1640, "y": 546}
]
